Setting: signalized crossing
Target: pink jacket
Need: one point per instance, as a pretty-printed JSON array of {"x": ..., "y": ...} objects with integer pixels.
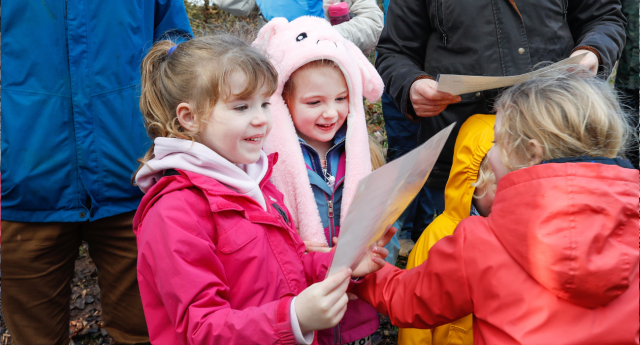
[
  {"x": 214, "y": 267},
  {"x": 556, "y": 262}
]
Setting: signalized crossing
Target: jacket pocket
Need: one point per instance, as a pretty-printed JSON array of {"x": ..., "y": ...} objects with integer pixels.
[
  {"x": 439, "y": 10},
  {"x": 237, "y": 237}
]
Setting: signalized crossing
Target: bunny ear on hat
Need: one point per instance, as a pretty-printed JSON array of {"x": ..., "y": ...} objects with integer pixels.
[
  {"x": 268, "y": 31},
  {"x": 372, "y": 85}
]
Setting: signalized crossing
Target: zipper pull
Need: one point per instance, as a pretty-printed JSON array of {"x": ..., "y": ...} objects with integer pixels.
[
  {"x": 444, "y": 39},
  {"x": 330, "y": 203}
]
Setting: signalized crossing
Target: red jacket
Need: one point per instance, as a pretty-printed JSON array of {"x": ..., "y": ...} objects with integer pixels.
[
  {"x": 556, "y": 262},
  {"x": 215, "y": 268}
]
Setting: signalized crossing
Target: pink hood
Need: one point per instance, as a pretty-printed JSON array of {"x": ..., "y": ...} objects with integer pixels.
[
  {"x": 172, "y": 153},
  {"x": 289, "y": 45}
]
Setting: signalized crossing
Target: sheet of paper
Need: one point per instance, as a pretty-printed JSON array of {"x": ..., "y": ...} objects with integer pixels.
[
  {"x": 461, "y": 84},
  {"x": 380, "y": 199}
]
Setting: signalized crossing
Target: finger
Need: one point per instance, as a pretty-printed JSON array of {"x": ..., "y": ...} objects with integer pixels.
[
  {"x": 335, "y": 295},
  {"x": 314, "y": 244},
  {"x": 340, "y": 314},
  {"x": 430, "y": 108},
  {"x": 422, "y": 102},
  {"x": 381, "y": 252},
  {"x": 429, "y": 113},
  {"x": 336, "y": 309},
  {"x": 335, "y": 281},
  {"x": 335, "y": 240},
  {"x": 391, "y": 231},
  {"x": 352, "y": 297},
  {"x": 319, "y": 249},
  {"x": 432, "y": 94},
  {"x": 378, "y": 261}
]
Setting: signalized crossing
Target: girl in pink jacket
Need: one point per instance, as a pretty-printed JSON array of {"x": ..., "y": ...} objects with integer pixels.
[
  {"x": 556, "y": 261},
  {"x": 219, "y": 259}
]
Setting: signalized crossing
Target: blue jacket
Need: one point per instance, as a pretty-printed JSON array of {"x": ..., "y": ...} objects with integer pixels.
[
  {"x": 71, "y": 125},
  {"x": 329, "y": 198}
]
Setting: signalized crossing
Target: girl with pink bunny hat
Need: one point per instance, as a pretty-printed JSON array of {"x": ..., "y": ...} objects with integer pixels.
[{"x": 320, "y": 134}]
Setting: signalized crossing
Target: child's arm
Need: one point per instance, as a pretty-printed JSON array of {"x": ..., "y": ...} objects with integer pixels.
[
  {"x": 178, "y": 264},
  {"x": 429, "y": 295}
]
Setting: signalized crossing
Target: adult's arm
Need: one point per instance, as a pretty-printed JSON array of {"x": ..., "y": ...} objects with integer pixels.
[
  {"x": 177, "y": 256},
  {"x": 171, "y": 21},
  {"x": 401, "y": 50},
  {"x": 236, "y": 7},
  {"x": 598, "y": 26},
  {"x": 364, "y": 29},
  {"x": 432, "y": 294}
]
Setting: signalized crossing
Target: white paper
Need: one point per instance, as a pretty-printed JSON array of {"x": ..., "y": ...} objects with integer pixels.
[
  {"x": 380, "y": 199},
  {"x": 461, "y": 84}
]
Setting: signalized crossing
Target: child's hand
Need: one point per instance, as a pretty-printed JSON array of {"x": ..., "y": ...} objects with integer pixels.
[
  {"x": 322, "y": 305},
  {"x": 375, "y": 260},
  {"x": 310, "y": 246}
]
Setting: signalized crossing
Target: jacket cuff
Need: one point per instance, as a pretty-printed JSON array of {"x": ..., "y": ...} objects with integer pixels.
[
  {"x": 591, "y": 49},
  {"x": 304, "y": 339},
  {"x": 409, "y": 112},
  {"x": 283, "y": 321}
]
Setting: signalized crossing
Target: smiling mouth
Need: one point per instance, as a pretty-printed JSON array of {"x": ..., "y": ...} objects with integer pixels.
[
  {"x": 255, "y": 138},
  {"x": 324, "y": 127}
]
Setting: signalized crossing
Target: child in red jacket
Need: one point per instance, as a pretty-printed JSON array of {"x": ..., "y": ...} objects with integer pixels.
[
  {"x": 556, "y": 261},
  {"x": 219, "y": 259}
]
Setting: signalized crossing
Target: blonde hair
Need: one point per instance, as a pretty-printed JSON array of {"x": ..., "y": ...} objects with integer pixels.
[
  {"x": 377, "y": 157},
  {"x": 568, "y": 112},
  {"x": 197, "y": 71},
  {"x": 485, "y": 175},
  {"x": 289, "y": 89}
]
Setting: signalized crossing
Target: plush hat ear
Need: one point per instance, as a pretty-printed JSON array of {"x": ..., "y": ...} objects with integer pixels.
[
  {"x": 268, "y": 31},
  {"x": 372, "y": 85}
]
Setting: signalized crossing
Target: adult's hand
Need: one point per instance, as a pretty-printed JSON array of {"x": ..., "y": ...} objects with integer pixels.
[
  {"x": 427, "y": 101},
  {"x": 322, "y": 305},
  {"x": 590, "y": 61}
]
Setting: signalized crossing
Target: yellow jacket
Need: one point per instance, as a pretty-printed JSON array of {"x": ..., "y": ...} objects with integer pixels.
[{"x": 473, "y": 143}]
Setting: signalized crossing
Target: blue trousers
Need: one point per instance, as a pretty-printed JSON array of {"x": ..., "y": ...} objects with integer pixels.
[{"x": 402, "y": 136}]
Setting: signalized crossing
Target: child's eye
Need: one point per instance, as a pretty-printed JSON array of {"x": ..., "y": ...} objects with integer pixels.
[
  {"x": 314, "y": 103},
  {"x": 340, "y": 99},
  {"x": 241, "y": 107},
  {"x": 266, "y": 105}
]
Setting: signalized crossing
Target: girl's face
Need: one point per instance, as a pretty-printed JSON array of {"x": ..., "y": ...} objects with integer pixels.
[
  {"x": 319, "y": 104},
  {"x": 236, "y": 129},
  {"x": 498, "y": 167}
]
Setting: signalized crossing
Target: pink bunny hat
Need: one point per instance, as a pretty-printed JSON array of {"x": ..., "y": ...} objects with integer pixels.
[{"x": 290, "y": 45}]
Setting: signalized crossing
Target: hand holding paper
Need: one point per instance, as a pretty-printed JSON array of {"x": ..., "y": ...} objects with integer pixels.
[
  {"x": 461, "y": 84},
  {"x": 375, "y": 260},
  {"x": 427, "y": 101},
  {"x": 380, "y": 199}
]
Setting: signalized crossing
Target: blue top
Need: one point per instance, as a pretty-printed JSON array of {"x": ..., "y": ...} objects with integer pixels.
[
  {"x": 319, "y": 180},
  {"x": 290, "y": 9},
  {"x": 72, "y": 129}
]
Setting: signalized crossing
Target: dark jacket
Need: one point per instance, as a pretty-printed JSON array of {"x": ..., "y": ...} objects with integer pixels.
[
  {"x": 72, "y": 128},
  {"x": 424, "y": 38}
]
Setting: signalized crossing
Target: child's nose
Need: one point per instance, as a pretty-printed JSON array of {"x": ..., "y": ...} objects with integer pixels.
[
  {"x": 261, "y": 117},
  {"x": 329, "y": 113}
]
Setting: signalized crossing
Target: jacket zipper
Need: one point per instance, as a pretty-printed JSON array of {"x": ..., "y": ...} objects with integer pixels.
[
  {"x": 565, "y": 5},
  {"x": 441, "y": 28}
]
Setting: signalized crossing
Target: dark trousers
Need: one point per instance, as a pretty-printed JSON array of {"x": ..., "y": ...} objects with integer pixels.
[
  {"x": 402, "y": 136},
  {"x": 37, "y": 267},
  {"x": 629, "y": 102}
]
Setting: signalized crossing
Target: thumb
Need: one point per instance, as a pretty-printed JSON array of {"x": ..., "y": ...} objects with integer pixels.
[{"x": 336, "y": 280}]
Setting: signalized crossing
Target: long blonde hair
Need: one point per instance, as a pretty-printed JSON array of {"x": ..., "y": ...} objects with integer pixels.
[
  {"x": 568, "y": 112},
  {"x": 197, "y": 72}
]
